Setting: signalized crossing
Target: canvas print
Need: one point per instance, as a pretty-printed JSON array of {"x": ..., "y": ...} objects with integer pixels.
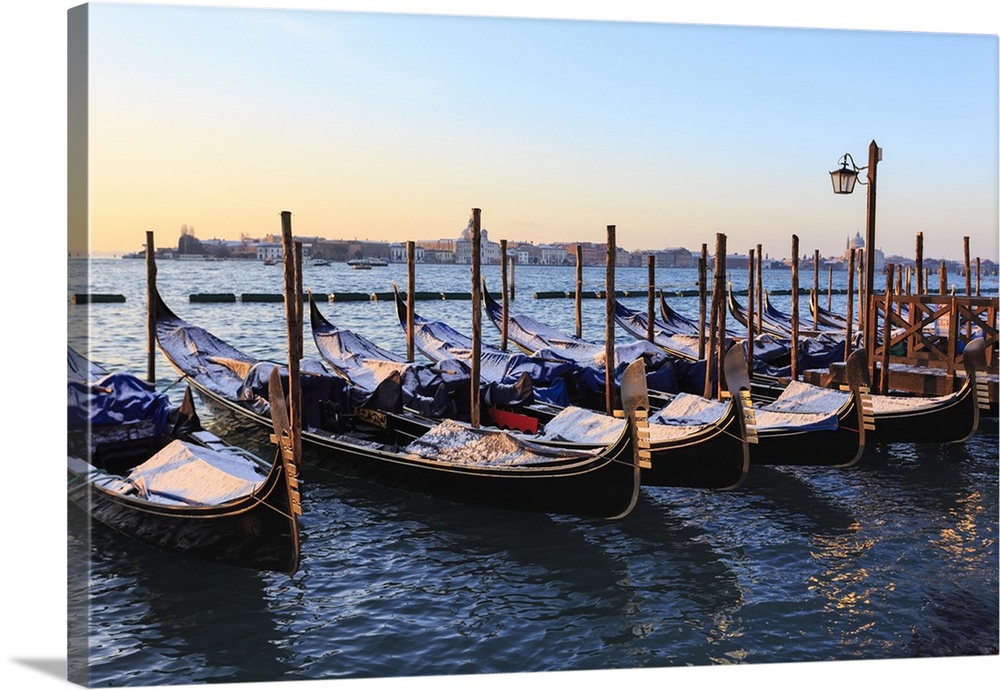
[{"x": 421, "y": 345}]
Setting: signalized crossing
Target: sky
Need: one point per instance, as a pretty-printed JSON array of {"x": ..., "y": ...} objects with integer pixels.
[{"x": 383, "y": 126}]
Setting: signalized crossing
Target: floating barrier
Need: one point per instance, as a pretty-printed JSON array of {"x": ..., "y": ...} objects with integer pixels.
[
  {"x": 599, "y": 294},
  {"x": 95, "y": 298},
  {"x": 207, "y": 297},
  {"x": 350, "y": 297},
  {"x": 266, "y": 297},
  {"x": 258, "y": 297}
]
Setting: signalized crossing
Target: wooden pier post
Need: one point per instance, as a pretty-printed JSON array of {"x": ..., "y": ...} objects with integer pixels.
[
  {"x": 886, "y": 331},
  {"x": 968, "y": 268},
  {"x": 829, "y": 287},
  {"x": 943, "y": 278},
  {"x": 294, "y": 331},
  {"x": 477, "y": 319},
  {"x": 299, "y": 313},
  {"x": 861, "y": 299},
  {"x": 702, "y": 298},
  {"x": 978, "y": 273},
  {"x": 411, "y": 291},
  {"x": 919, "y": 267},
  {"x": 714, "y": 330},
  {"x": 511, "y": 271},
  {"x": 850, "y": 305},
  {"x": 505, "y": 307},
  {"x": 795, "y": 308},
  {"x": 579, "y": 291},
  {"x": 150, "y": 307},
  {"x": 609, "y": 323},
  {"x": 651, "y": 269},
  {"x": 720, "y": 281},
  {"x": 750, "y": 311},
  {"x": 760, "y": 289},
  {"x": 816, "y": 288}
]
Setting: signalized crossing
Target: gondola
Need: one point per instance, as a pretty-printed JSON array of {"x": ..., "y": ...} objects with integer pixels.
[
  {"x": 677, "y": 323},
  {"x": 952, "y": 418},
  {"x": 825, "y": 316},
  {"x": 154, "y": 474},
  {"x": 830, "y": 432},
  {"x": 694, "y": 443},
  {"x": 448, "y": 461},
  {"x": 666, "y": 373},
  {"x": 636, "y": 324}
]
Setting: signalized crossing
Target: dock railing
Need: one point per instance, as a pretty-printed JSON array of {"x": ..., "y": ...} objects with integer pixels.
[{"x": 932, "y": 330}]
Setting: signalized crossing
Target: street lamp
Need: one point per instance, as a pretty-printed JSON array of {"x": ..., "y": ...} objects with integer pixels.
[
  {"x": 844, "y": 178},
  {"x": 843, "y": 183}
]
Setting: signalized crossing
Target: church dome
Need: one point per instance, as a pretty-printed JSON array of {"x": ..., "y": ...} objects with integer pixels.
[{"x": 857, "y": 242}]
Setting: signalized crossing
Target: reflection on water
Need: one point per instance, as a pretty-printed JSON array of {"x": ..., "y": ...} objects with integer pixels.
[{"x": 894, "y": 557}]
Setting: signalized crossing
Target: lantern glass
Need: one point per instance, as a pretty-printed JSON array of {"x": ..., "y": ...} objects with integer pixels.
[{"x": 843, "y": 180}]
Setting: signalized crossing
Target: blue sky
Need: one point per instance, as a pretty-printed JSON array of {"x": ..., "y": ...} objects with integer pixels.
[{"x": 391, "y": 126}]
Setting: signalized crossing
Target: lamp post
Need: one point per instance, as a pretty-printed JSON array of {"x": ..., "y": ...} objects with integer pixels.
[{"x": 843, "y": 181}]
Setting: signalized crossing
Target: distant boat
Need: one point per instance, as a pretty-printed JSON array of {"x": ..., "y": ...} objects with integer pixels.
[
  {"x": 320, "y": 262},
  {"x": 366, "y": 263},
  {"x": 270, "y": 262}
]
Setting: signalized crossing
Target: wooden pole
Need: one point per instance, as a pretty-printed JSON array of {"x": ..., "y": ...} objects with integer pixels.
[
  {"x": 861, "y": 296},
  {"x": 816, "y": 288},
  {"x": 511, "y": 271},
  {"x": 720, "y": 281},
  {"x": 795, "y": 307},
  {"x": 968, "y": 269},
  {"x": 651, "y": 268},
  {"x": 850, "y": 305},
  {"x": 505, "y": 307},
  {"x": 978, "y": 273},
  {"x": 579, "y": 291},
  {"x": 609, "y": 323},
  {"x": 750, "y": 313},
  {"x": 919, "y": 269},
  {"x": 898, "y": 278},
  {"x": 702, "y": 298},
  {"x": 829, "y": 287},
  {"x": 150, "y": 307},
  {"x": 943, "y": 278},
  {"x": 886, "y": 331},
  {"x": 294, "y": 328},
  {"x": 909, "y": 280},
  {"x": 712, "y": 330},
  {"x": 477, "y": 319},
  {"x": 411, "y": 291},
  {"x": 760, "y": 289},
  {"x": 299, "y": 314},
  {"x": 874, "y": 154},
  {"x": 717, "y": 315}
]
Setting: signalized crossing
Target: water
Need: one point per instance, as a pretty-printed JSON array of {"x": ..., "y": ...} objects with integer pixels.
[{"x": 893, "y": 558}]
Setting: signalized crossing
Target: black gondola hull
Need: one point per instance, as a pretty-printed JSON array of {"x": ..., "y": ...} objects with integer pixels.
[
  {"x": 257, "y": 531},
  {"x": 606, "y": 487}
]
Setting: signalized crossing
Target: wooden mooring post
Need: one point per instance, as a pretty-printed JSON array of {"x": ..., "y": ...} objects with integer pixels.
[
  {"x": 477, "y": 319},
  {"x": 702, "y": 298},
  {"x": 609, "y": 323},
  {"x": 816, "y": 288},
  {"x": 293, "y": 310},
  {"x": 579, "y": 291},
  {"x": 651, "y": 268},
  {"x": 150, "y": 307},
  {"x": 795, "y": 308},
  {"x": 886, "y": 331},
  {"x": 919, "y": 265},
  {"x": 829, "y": 288},
  {"x": 411, "y": 291},
  {"x": 943, "y": 279},
  {"x": 850, "y": 305},
  {"x": 751, "y": 270},
  {"x": 717, "y": 314},
  {"x": 505, "y": 306},
  {"x": 760, "y": 289},
  {"x": 968, "y": 268}
]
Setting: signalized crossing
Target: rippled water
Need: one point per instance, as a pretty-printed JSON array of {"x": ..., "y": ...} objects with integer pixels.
[{"x": 893, "y": 558}]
